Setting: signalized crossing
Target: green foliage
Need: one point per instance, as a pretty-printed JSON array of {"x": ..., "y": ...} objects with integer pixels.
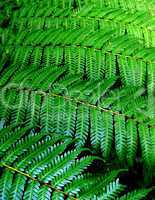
[
  {"x": 64, "y": 45},
  {"x": 84, "y": 70},
  {"x": 70, "y": 39},
  {"x": 90, "y": 111},
  {"x": 40, "y": 165}
]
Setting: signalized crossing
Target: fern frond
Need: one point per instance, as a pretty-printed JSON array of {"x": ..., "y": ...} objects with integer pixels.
[
  {"x": 136, "y": 22},
  {"x": 145, "y": 141},
  {"x": 52, "y": 171},
  {"x": 113, "y": 189},
  {"x": 8, "y": 141},
  {"x": 17, "y": 188},
  {"x": 132, "y": 138},
  {"x": 76, "y": 116},
  {"x": 128, "y": 5},
  {"x": 19, "y": 112},
  {"x": 60, "y": 3},
  {"x": 45, "y": 193},
  {"x": 21, "y": 146},
  {"x": 83, "y": 69},
  {"x": 33, "y": 110},
  {"x": 152, "y": 135},
  {"x": 32, "y": 155},
  {"x": 82, "y": 125},
  {"x": 137, "y": 195},
  {"x": 107, "y": 134},
  {"x": 5, "y": 184},
  {"x": 120, "y": 137},
  {"x": 31, "y": 190},
  {"x": 131, "y": 22},
  {"x": 6, "y": 74},
  {"x": 62, "y": 170},
  {"x": 102, "y": 185},
  {"x": 116, "y": 51},
  {"x": 36, "y": 55}
]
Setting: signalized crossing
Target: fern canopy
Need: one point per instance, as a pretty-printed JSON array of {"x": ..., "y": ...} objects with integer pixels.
[{"x": 76, "y": 74}]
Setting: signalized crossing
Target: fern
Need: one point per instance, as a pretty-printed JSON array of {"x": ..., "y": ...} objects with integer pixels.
[
  {"x": 82, "y": 120},
  {"x": 49, "y": 170},
  {"x": 84, "y": 70},
  {"x": 92, "y": 39},
  {"x": 112, "y": 49},
  {"x": 145, "y": 143},
  {"x": 138, "y": 24},
  {"x": 128, "y": 5},
  {"x": 58, "y": 80},
  {"x": 82, "y": 114},
  {"x": 135, "y": 194}
]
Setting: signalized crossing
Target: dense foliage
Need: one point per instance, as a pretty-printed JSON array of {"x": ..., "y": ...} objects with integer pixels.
[{"x": 77, "y": 99}]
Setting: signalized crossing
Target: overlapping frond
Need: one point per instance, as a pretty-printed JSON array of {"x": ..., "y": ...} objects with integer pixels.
[
  {"x": 92, "y": 54},
  {"x": 34, "y": 166},
  {"x": 138, "y": 23},
  {"x": 58, "y": 81},
  {"x": 34, "y": 156},
  {"x": 64, "y": 36},
  {"x": 126, "y": 5},
  {"x": 89, "y": 111},
  {"x": 85, "y": 70}
]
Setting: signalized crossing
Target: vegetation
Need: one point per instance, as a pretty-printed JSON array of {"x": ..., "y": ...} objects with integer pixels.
[{"x": 77, "y": 86}]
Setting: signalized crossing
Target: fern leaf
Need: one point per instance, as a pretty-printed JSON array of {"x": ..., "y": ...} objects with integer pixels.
[
  {"x": 152, "y": 135},
  {"x": 120, "y": 137},
  {"x": 58, "y": 196},
  {"x": 34, "y": 152},
  {"x": 17, "y": 188},
  {"x": 132, "y": 140},
  {"x": 100, "y": 90},
  {"x": 45, "y": 193},
  {"x": 11, "y": 140},
  {"x": 110, "y": 67},
  {"x": 75, "y": 58},
  {"x": 31, "y": 190},
  {"x": 47, "y": 56},
  {"x": 96, "y": 128},
  {"x": 102, "y": 182},
  {"x": 7, "y": 74},
  {"x": 33, "y": 111},
  {"x": 22, "y": 76},
  {"x": 145, "y": 141},
  {"x": 19, "y": 111},
  {"x": 36, "y": 55},
  {"x": 107, "y": 135},
  {"x": 5, "y": 132},
  {"x": 60, "y": 165},
  {"x": 5, "y": 184},
  {"x": 42, "y": 161},
  {"x": 136, "y": 195},
  {"x": 20, "y": 147},
  {"x": 151, "y": 75},
  {"x": 69, "y": 175},
  {"x": 8, "y": 101},
  {"x": 94, "y": 69},
  {"x": 69, "y": 118},
  {"x": 113, "y": 190},
  {"x": 82, "y": 125},
  {"x": 133, "y": 72},
  {"x": 46, "y": 113}
]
